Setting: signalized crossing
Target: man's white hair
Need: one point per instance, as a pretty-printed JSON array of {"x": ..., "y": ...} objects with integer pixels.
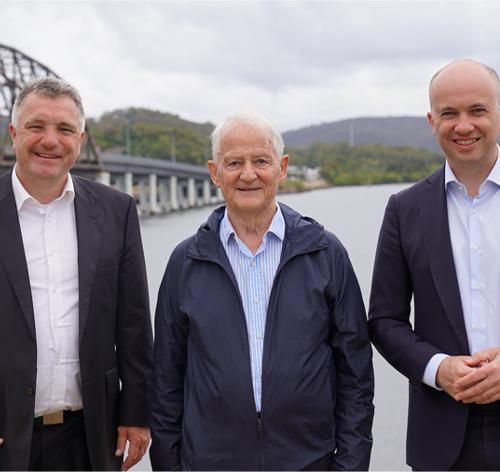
[{"x": 253, "y": 117}]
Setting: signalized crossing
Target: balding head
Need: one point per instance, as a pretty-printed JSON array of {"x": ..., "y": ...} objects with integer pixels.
[{"x": 460, "y": 68}]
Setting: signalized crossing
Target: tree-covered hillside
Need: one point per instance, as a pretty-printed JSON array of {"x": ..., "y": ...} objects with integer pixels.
[
  {"x": 342, "y": 164},
  {"x": 152, "y": 134}
]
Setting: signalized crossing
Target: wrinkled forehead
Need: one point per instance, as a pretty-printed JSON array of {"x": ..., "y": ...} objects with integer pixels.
[{"x": 244, "y": 135}]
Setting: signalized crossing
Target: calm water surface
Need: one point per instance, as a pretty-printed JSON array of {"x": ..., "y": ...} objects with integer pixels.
[{"x": 354, "y": 214}]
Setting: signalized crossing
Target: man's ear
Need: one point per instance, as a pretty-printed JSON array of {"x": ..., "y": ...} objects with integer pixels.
[
  {"x": 284, "y": 167},
  {"x": 430, "y": 119},
  {"x": 212, "y": 167},
  {"x": 13, "y": 135}
]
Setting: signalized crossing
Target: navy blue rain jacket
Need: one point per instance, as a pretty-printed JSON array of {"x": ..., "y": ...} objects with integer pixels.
[{"x": 317, "y": 377}]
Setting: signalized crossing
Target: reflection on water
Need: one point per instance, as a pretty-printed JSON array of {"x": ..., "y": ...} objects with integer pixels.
[{"x": 354, "y": 214}]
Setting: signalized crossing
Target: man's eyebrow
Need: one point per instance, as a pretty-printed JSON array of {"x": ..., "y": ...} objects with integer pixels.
[
  {"x": 66, "y": 124},
  {"x": 32, "y": 121},
  {"x": 443, "y": 109},
  {"x": 478, "y": 105}
]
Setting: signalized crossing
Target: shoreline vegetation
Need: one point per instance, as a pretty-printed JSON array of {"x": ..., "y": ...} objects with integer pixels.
[{"x": 142, "y": 132}]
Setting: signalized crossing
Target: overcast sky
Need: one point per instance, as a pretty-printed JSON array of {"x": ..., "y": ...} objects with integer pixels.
[{"x": 302, "y": 62}]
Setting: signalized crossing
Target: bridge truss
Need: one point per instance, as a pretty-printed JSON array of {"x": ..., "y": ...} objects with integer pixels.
[{"x": 16, "y": 70}]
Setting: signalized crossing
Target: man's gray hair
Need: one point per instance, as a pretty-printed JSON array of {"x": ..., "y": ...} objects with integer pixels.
[
  {"x": 50, "y": 87},
  {"x": 488, "y": 69},
  {"x": 253, "y": 117}
]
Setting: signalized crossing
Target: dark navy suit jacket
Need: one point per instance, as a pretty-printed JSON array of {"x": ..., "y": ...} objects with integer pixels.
[{"x": 414, "y": 258}]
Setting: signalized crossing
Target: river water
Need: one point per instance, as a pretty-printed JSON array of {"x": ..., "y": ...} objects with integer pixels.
[{"x": 354, "y": 214}]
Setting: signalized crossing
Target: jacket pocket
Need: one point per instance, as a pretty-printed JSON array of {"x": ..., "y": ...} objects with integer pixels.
[
  {"x": 112, "y": 381},
  {"x": 109, "y": 263}
]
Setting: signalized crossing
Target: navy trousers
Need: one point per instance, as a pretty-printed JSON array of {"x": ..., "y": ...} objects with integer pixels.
[{"x": 481, "y": 448}]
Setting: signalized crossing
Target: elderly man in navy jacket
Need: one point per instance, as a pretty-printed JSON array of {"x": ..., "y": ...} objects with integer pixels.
[{"x": 262, "y": 358}]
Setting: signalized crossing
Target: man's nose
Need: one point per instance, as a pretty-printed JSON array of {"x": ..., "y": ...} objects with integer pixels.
[
  {"x": 50, "y": 138},
  {"x": 248, "y": 172},
  {"x": 464, "y": 124}
]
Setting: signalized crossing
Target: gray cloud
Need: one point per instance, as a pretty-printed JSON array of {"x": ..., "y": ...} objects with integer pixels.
[{"x": 302, "y": 62}]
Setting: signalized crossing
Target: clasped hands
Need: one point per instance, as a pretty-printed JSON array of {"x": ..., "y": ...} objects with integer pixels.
[{"x": 473, "y": 379}]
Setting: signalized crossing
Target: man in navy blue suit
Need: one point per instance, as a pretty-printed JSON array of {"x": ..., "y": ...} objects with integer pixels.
[{"x": 439, "y": 245}]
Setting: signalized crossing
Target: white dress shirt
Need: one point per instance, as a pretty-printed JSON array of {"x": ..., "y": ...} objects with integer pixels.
[
  {"x": 50, "y": 245},
  {"x": 255, "y": 276},
  {"x": 474, "y": 229}
]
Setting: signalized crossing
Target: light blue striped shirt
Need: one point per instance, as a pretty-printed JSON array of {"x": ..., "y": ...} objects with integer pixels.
[
  {"x": 474, "y": 230},
  {"x": 255, "y": 277}
]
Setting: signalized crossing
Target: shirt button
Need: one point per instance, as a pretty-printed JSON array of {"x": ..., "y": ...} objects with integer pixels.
[
  {"x": 29, "y": 391},
  {"x": 256, "y": 300},
  {"x": 55, "y": 398},
  {"x": 474, "y": 211},
  {"x": 475, "y": 248},
  {"x": 260, "y": 373},
  {"x": 54, "y": 289},
  {"x": 460, "y": 188},
  {"x": 477, "y": 287},
  {"x": 253, "y": 264},
  {"x": 259, "y": 336},
  {"x": 478, "y": 327}
]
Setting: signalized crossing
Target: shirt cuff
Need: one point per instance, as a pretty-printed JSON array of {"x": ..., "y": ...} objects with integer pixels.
[{"x": 431, "y": 370}]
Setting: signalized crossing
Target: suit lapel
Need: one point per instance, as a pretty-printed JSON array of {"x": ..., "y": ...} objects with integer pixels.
[
  {"x": 436, "y": 234},
  {"x": 12, "y": 255},
  {"x": 89, "y": 225}
]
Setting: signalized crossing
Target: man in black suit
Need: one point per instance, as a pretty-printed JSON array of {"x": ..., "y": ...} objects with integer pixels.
[
  {"x": 439, "y": 244},
  {"x": 74, "y": 309}
]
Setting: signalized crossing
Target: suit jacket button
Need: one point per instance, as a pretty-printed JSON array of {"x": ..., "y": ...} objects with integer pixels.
[{"x": 29, "y": 391}]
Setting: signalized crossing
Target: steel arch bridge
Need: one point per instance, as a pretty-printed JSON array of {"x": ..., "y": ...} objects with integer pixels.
[{"x": 16, "y": 70}]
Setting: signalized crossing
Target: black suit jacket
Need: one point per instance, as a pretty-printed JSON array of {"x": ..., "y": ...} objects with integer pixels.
[
  {"x": 414, "y": 258},
  {"x": 114, "y": 324}
]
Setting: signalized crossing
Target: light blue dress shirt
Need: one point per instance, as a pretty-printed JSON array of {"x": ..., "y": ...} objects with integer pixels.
[
  {"x": 255, "y": 277},
  {"x": 475, "y": 239}
]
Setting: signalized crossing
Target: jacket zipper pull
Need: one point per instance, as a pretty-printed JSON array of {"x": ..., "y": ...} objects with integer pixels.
[{"x": 259, "y": 428}]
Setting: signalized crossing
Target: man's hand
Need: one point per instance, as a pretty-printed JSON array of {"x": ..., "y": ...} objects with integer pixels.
[
  {"x": 1, "y": 441},
  {"x": 482, "y": 385},
  {"x": 450, "y": 371},
  {"x": 139, "y": 441}
]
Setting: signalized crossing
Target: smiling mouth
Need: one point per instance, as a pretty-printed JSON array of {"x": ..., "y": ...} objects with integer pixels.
[
  {"x": 247, "y": 189},
  {"x": 46, "y": 156},
  {"x": 466, "y": 142}
]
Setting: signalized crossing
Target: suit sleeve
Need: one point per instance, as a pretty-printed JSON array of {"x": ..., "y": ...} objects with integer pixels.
[
  {"x": 169, "y": 370},
  {"x": 389, "y": 315},
  {"x": 353, "y": 359},
  {"x": 134, "y": 338}
]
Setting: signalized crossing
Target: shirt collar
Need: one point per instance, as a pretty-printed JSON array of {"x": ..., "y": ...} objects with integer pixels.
[
  {"x": 277, "y": 226},
  {"x": 494, "y": 176},
  {"x": 21, "y": 195}
]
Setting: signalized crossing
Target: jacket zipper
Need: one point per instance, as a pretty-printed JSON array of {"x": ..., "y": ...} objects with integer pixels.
[{"x": 261, "y": 442}]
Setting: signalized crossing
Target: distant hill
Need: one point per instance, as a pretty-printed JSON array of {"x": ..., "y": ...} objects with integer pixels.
[
  {"x": 391, "y": 131},
  {"x": 151, "y": 117}
]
